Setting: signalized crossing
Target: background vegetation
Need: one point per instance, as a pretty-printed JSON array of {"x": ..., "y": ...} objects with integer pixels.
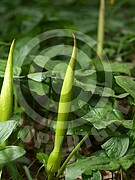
[{"x": 110, "y": 112}]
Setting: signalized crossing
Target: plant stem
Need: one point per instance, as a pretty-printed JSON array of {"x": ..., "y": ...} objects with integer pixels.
[
  {"x": 50, "y": 177},
  {"x": 100, "y": 33},
  {"x": 38, "y": 171},
  {"x": 27, "y": 172},
  {"x": 121, "y": 174},
  {"x": 71, "y": 154}
]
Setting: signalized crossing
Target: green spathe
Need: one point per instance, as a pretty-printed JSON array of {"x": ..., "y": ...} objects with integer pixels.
[
  {"x": 54, "y": 160},
  {"x": 6, "y": 97}
]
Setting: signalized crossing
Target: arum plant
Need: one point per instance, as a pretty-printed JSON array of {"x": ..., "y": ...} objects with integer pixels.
[
  {"x": 6, "y": 96},
  {"x": 101, "y": 27},
  {"x": 55, "y": 157},
  {"x": 100, "y": 33}
]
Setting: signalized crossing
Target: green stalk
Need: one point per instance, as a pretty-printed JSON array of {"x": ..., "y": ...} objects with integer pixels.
[
  {"x": 71, "y": 154},
  {"x": 6, "y": 97},
  {"x": 27, "y": 172},
  {"x": 100, "y": 33},
  {"x": 121, "y": 174},
  {"x": 55, "y": 157}
]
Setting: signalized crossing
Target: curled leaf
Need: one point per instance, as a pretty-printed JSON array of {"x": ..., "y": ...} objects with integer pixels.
[
  {"x": 6, "y": 97},
  {"x": 55, "y": 157}
]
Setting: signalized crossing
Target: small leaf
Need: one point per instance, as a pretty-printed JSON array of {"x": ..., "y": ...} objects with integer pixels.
[
  {"x": 6, "y": 128},
  {"x": 39, "y": 88},
  {"x": 39, "y": 77},
  {"x": 95, "y": 175},
  {"x": 10, "y": 153},
  {"x": 43, "y": 158},
  {"x": 127, "y": 83},
  {"x": 120, "y": 96}
]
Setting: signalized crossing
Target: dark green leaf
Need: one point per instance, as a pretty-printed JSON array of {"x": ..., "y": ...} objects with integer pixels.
[
  {"x": 116, "y": 147},
  {"x": 39, "y": 88},
  {"x": 127, "y": 83},
  {"x": 6, "y": 128},
  {"x": 99, "y": 117},
  {"x": 128, "y": 159},
  {"x": 92, "y": 163},
  {"x": 10, "y": 153}
]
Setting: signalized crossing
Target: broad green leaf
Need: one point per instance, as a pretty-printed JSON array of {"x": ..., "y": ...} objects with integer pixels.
[
  {"x": 10, "y": 153},
  {"x": 59, "y": 72},
  {"x": 99, "y": 117},
  {"x": 99, "y": 161},
  {"x": 127, "y": 123},
  {"x": 129, "y": 158},
  {"x": 114, "y": 67},
  {"x": 41, "y": 76},
  {"x": 92, "y": 163},
  {"x": 102, "y": 117},
  {"x": 45, "y": 62},
  {"x": 6, "y": 128},
  {"x": 36, "y": 76},
  {"x": 120, "y": 67},
  {"x": 127, "y": 83},
  {"x": 116, "y": 147},
  {"x": 120, "y": 96},
  {"x": 87, "y": 84},
  {"x": 91, "y": 86},
  {"x": 39, "y": 88},
  {"x": 43, "y": 158}
]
